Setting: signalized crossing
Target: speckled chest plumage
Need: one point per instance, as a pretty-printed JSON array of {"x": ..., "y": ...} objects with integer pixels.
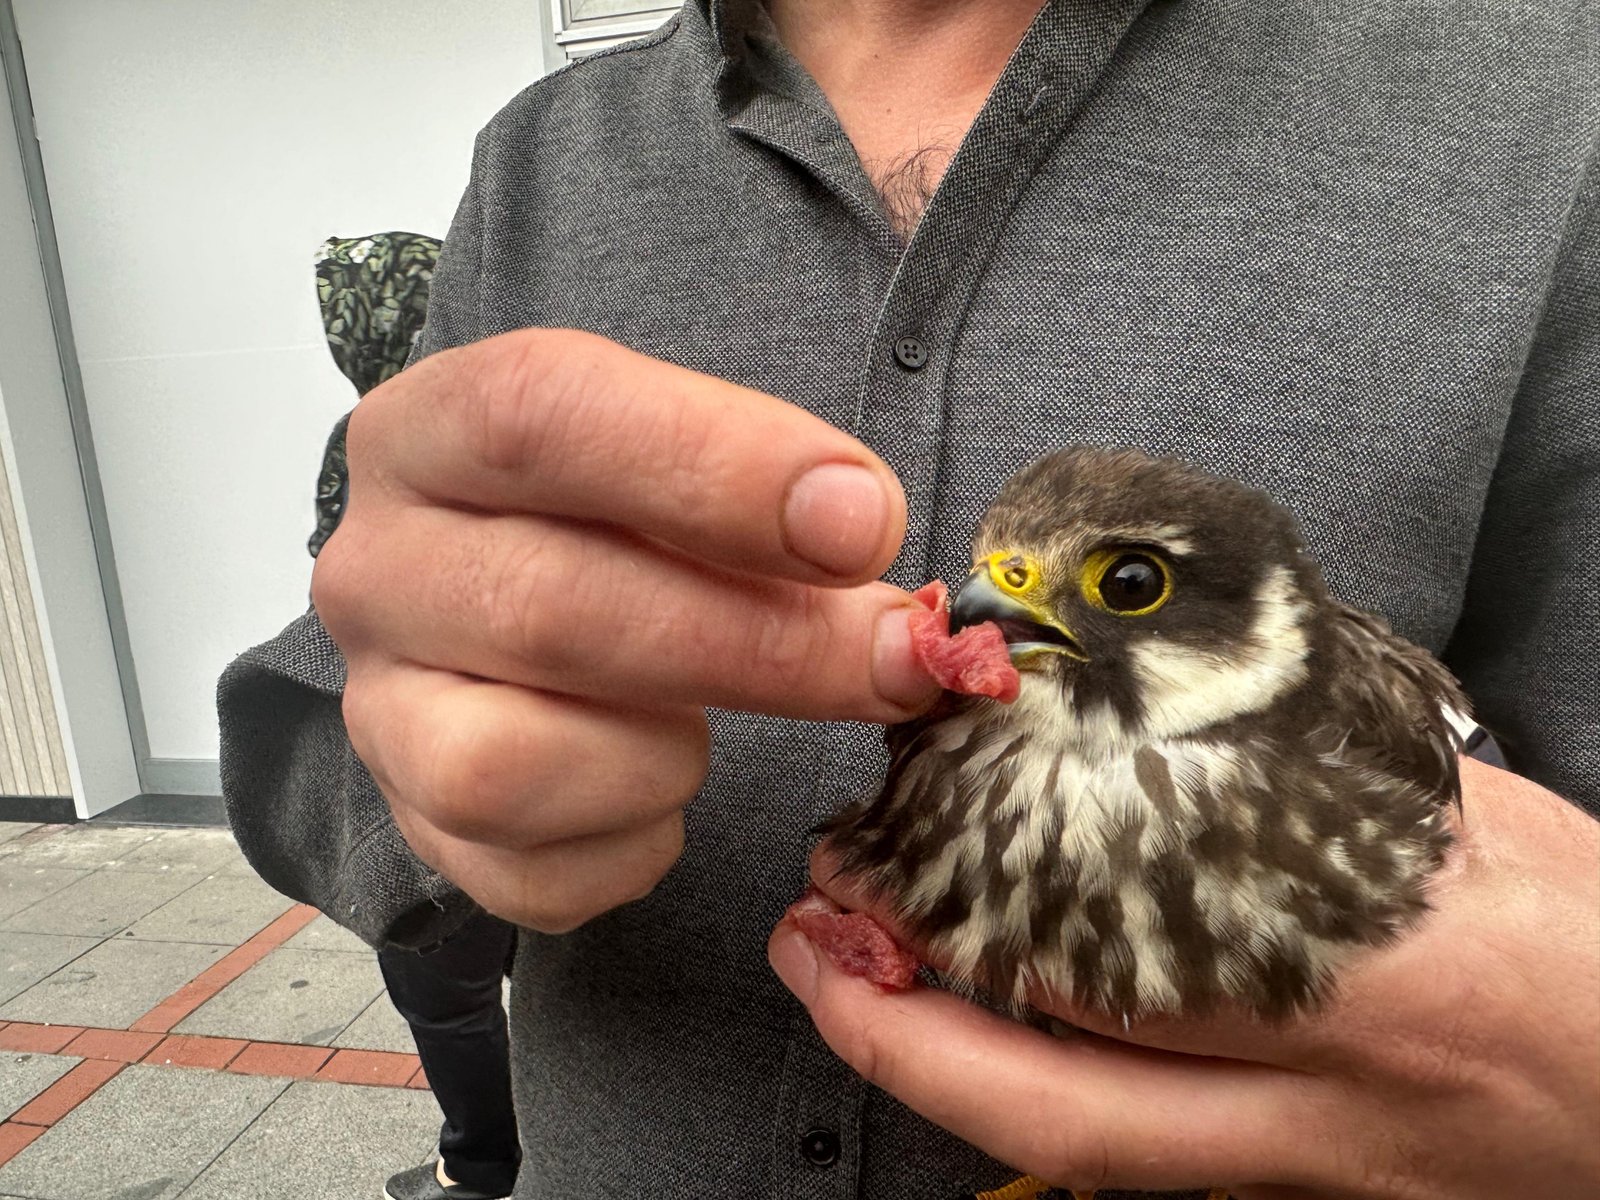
[{"x": 1217, "y": 784}]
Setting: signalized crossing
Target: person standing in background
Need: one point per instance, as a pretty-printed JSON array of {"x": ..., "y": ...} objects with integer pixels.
[{"x": 374, "y": 294}]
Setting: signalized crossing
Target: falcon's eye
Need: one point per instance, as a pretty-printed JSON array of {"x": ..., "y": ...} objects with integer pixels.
[{"x": 1129, "y": 583}]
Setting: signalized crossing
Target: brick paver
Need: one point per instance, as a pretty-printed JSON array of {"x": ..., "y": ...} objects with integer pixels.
[
  {"x": 373, "y": 1067},
  {"x": 276, "y": 1058},
  {"x": 53, "y": 1132},
  {"x": 185, "y": 1050},
  {"x": 14, "y": 1136},
  {"x": 30, "y": 1038},
  {"x": 66, "y": 1093},
  {"x": 119, "y": 1045},
  {"x": 224, "y": 971}
]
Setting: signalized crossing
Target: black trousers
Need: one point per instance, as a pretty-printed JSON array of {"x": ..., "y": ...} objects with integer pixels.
[{"x": 451, "y": 999}]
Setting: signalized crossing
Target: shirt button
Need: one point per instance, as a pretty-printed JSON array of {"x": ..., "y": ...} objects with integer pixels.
[
  {"x": 820, "y": 1147},
  {"x": 911, "y": 353}
]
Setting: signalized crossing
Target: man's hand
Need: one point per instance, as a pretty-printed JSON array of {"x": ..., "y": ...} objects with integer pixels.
[
  {"x": 557, "y": 553},
  {"x": 1463, "y": 1063}
]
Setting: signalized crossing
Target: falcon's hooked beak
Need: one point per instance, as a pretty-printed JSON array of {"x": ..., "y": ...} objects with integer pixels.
[{"x": 1005, "y": 588}]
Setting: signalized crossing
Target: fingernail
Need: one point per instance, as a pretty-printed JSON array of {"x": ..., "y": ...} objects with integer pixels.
[
  {"x": 794, "y": 961},
  {"x": 834, "y": 516},
  {"x": 896, "y": 674}
]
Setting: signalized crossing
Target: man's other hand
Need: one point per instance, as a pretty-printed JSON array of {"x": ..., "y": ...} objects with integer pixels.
[
  {"x": 557, "y": 553},
  {"x": 1463, "y": 1062}
]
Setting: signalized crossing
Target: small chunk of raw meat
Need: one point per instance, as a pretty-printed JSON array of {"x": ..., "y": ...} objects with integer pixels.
[
  {"x": 854, "y": 942},
  {"x": 974, "y": 662}
]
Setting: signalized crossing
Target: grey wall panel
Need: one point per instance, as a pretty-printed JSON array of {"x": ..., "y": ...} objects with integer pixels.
[
  {"x": 43, "y": 460},
  {"x": 32, "y": 761}
]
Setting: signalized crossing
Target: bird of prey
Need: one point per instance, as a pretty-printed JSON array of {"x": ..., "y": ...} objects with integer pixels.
[{"x": 1217, "y": 784}]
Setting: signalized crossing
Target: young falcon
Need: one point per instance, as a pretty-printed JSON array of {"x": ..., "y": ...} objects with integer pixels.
[{"x": 1217, "y": 783}]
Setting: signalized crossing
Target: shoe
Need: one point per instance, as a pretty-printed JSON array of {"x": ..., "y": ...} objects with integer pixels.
[{"x": 422, "y": 1183}]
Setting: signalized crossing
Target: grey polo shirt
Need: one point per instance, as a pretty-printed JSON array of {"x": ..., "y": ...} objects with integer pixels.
[{"x": 1348, "y": 252}]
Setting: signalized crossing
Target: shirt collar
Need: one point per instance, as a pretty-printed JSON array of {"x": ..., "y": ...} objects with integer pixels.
[{"x": 729, "y": 21}]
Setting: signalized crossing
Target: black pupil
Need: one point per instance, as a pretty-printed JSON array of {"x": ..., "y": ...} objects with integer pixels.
[{"x": 1131, "y": 583}]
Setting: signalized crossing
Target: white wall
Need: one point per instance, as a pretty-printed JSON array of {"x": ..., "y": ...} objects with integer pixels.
[
  {"x": 197, "y": 153},
  {"x": 58, "y": 549}
]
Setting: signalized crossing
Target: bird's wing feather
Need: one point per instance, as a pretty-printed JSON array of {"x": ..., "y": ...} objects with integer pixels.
[{"x": 1397, "y": 694}]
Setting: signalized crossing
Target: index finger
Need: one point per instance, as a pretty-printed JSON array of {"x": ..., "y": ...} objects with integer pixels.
[{"x": 570, "y": 424}]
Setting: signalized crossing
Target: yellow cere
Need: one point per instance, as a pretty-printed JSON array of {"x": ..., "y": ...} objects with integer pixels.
[{"x": 1014, "y": 574}]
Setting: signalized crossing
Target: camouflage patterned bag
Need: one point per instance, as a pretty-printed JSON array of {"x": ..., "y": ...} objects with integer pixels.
[{"x": 374, "y": 296}]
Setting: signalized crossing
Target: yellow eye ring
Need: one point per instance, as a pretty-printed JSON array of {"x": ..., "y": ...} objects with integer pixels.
[{"x": 1124, "y": 582}]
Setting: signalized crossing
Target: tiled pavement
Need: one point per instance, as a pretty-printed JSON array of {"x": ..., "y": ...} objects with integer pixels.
[{"x": 171, "y": 1027}]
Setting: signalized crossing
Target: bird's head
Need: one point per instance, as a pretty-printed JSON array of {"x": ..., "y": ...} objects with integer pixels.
[{"x": 1142, "y": 596}]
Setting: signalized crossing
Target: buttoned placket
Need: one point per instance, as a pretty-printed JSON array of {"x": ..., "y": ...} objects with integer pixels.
[{"x": 823, "y": 1105}]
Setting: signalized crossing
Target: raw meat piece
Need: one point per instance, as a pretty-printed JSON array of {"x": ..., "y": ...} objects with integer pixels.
[
  {"x": 855, "y": 943},
  {"x": 974, "y": 662}
]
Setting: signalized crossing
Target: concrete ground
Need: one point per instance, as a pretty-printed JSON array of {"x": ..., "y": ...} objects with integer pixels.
[{"x": 172, "y": 1027}]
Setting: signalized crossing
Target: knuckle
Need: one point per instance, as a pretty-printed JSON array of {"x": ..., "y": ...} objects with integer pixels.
[
  {"x": 857, "y": 1041},
  {"x": 364, "y": 432},
  {"x": 1451, "y": 1064},
  {"x": 528, "y": 592},
  {"x": 789, "y": 637},
  {"x": 507, "y": 589},
  {"x": 335, "y": 583},
  {"x": 362, "y": 707},
  {"x": 553, "y": 914},
  {"x": 636, "y": 872},
  {"x": 562, "y": 909},
  {"x": 537, "y": 392},
  {"x": 489, "y": 581},
  {"x": 351, "y": 572},
  {"x": 682, "y": 448},
  {"x": 675, "y": 775},
  {"x": 471, "y": 778},
  {"x": 661, "y": 851},
  {"x": 558, "y": 894}
]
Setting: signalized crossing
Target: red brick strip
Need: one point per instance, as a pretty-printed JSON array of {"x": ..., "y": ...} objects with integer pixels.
[
  {"x": 28, "y": 1038},
  {"x": 118, "y": 1045},
  {"x": 115, "y": 1048},
  {"x": 187, "y": 1050},
  {"x": 278, "y": 1058},
  {"x": 14, "y": 1137},
  {"x": 375, "y": 1068},
  {"x": 66, "y": 1093},
  {"x": 224, "y": 971},
  {"x": 106, "y": 1051},
  {"x": 150, "y": 1040}
]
